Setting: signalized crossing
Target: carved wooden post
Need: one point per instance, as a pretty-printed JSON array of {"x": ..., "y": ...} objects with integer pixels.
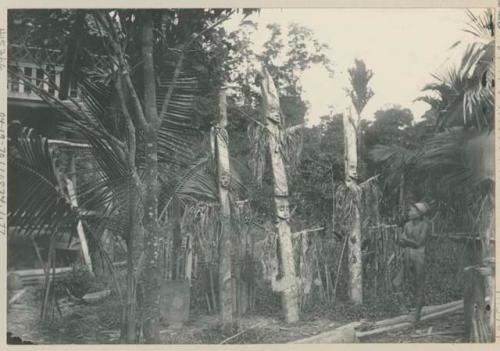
[
  {"x": 351, "y": 178},
  {"x": 288, "y": 284},
  {"x": 220, "y": 147}
]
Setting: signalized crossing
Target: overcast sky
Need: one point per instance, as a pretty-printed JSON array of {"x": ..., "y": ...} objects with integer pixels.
[{"x": 403, "y": 47}]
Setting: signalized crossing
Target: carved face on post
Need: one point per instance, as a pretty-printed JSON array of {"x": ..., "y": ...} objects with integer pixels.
[
  {"x": 353, "y": 172},
  {"x": 225, "y": 179},
  {"x": 274, "y": 117},
  {"x": 283, "y": 211}
]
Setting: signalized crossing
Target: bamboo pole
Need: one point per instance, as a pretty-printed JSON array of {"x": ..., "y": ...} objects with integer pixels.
[
  {"x": 208, "y": 303},
  {"x": 328, "y": 283},
  {"x": 321, "y": 286},
  {"x": 52, "y": 295},
  {"x": 47, "y": 285},
  {"x": 339, "y": 269},
  {"x": 38, "y": 254},
  {"x": 17, "y": 296},
  {"x": 375, "y": 273},
  {"x": 212, "y": 288},
  {"x": 189, "y": 259}
]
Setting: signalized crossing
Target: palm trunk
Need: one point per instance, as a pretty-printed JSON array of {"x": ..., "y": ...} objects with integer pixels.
[
  {"x": 151, "y": 278},
  {"x": 134, "y": 250},
  {"x": 289, "y": 293},
  {"x": 351, "y": 176},
  {"x": 188, "y": 263},
  {"x": 220, "y": 143},
  {"x": 151, "y": 274},
  {"x": 176, "y": 241},
  {"x": 144, "y": 243}
]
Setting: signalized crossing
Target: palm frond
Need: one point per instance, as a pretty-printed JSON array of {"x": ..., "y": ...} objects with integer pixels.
[
  {"x": 466, "y": 90},
  {"x": 176, "y": 98},
  {"x": 443, "y": 160},
  {"x": 359, "y": 77},
  {"x": 434, "y": 102},
  {"x": 197, "y": 183},
  {"x": 481, "y": 26},
  {"x": 393, "y": 154},
  {"x": 40, "y": 202}
]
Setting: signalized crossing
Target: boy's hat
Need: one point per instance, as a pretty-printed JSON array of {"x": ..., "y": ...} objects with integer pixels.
[{"x": 422, "y": 207}]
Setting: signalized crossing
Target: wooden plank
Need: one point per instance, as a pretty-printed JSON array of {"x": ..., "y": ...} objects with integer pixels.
[
  {"x": 33, "y": 276},
  {"x": 37, "y": 272},
  {"x": 425, "y": 311},
  {"x": 404, "y": 325},
  {"x": 348, "y": 333},
  {"x": 96, "y": 296}
]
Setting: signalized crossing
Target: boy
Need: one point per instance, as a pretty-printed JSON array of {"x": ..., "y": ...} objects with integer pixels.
[{"x": 413, "y": 240}]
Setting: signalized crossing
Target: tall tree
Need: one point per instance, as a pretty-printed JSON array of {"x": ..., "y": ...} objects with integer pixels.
[{"x": 360, "y": 94}]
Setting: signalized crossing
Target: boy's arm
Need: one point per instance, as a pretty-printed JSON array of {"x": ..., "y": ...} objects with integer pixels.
[
  {"x": 408, "y": 243},
  {"x": 403, "y": 239},
  {"x": 419, "y": 238}
]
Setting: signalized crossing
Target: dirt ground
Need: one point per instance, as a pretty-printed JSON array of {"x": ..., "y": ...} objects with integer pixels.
[{"x": 89, "y": 324}]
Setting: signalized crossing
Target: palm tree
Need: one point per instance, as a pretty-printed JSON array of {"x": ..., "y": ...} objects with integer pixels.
[
  {"x": 464, "y": 94},
  {"x": 359, "y": 94}
]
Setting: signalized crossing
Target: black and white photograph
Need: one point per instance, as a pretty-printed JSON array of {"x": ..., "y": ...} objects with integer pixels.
[{"x": 250, "y": 175}]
